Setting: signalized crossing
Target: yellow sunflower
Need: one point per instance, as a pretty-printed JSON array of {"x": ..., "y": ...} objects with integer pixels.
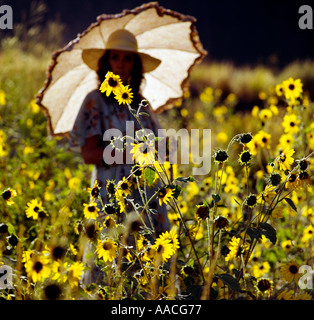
[
  {"x": 162, "y": 248},
  {"x": 106, "y": 250},
  {"x": 112, "y": 83},
  {"x": 164, "y": 195},
  {"x": 95, "y": 190},
  {"x": 90, "y": 210},
  {"x": 291, "y": 123},
  {"x": 144, "y": 153},
  {"x": 37, "y": 268},
  {"x": 124, "y": 95},
  {"x": 292, "y": 89},
  {"x": 125, "y": 186},
  {"x": 8, "y": 194},
  {"x": 34, "y": 209},
  {"x": 285, "y": 159},
  {"x": 290, "y": 271},
  {"x": 75, "y": 272}
]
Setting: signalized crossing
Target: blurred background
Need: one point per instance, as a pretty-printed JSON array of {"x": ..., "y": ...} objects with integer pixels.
[{"x": 251, "y": 44}]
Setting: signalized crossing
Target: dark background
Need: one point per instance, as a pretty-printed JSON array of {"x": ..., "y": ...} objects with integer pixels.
[{"x": 243, "y": 31}]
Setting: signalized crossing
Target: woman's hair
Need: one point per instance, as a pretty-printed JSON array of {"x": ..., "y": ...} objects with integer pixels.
[{"x": 136, "y": 73}]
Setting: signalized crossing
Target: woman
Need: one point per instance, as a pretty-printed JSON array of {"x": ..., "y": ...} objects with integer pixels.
[{"x": 100, "y": 113}]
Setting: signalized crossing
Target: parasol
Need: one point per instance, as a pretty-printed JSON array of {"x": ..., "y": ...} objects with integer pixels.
[{"x": 162, "y": 34}]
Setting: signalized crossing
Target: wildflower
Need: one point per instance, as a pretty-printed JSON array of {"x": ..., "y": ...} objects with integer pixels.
[
  {"x": 265, "y": 114},
  {"x": 125, "y": 186},
  {"x": 258, "y": 270},
  {"x": 308, "y": 234},
  {"x": 124, "y": 95},
  {"x": 112, "y": 83},
  {"x": 164, "y": 195},
  {"x": 292, "y": 88},
  {"x": 285, "y": 159},
  {"x": 290, "y": 271},
  {"x": 221, "y": 222},
  {"x": 287, "y": 245},
  {"x": 163, "y": 248},
  {"x": 291, "y": 123},
  {"x": 285, "y": 140},
  {"x": 74, "y": 273},
  {"x": 292, "y": 182},
  {"x": 95, "y": 191},
  {"x": 263, "y": 139},
  {"x": 251, "y": 200},
  {"x": 233, "y": 246},
  {"x": 275, "y": 179},
  {"x": 34, "y": 209},
  {"x": 221, "y": 156},
  {"x": 264, "y": 286},
  {"x": 304, "y": 179},
  {"x": 202, "y": 212},
  {"x": 303, "y": 164},
  {"x": 245, "y": 157},
  {"x": 73, "y": 250},
  {"x": 37, "y": 268},
  {"x": 90, "y": 210},
  {"x": 279, "y": 90},
  {"x": 144, "y": 153},
  {"x": 8, "y": 194},
  {"x": 245, "y": 138},
  {"x": 109, "y": 223},
  {"x": 285, "y": 295},
  {"x": 106, "y": 250},
  {"x": 172, "y": 236},
  {"x": 269, "y": 194},
  {"x": 52, "y": 291}
]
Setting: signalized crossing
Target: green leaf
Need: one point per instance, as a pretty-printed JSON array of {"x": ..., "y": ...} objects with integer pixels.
[
  {"x": 268, "y": 231},
  {"x": 144, "y": 114},
  {"x": 185, "y": 179},
  {"x": 292, "y": 205},
  {"x": 216, "y": 198},
  {"x": 229, "y": 280},
  {"x": 11, "y": 229},
  {"x": 149, "y": 175},
  {"x": 254, "y": 233}
]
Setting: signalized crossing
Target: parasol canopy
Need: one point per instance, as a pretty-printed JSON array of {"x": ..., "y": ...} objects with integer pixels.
[{"x": 163, "y": 35}]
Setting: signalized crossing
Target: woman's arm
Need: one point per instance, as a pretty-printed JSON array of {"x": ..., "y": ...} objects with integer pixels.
[{"x": 91, "y": 152}]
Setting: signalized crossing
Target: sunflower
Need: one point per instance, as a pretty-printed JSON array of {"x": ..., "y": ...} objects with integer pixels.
[
  {"x": 233, "y": 246},
  {"x": 172, "y": 236},
  {"x": 290, "y": 271},
  {"x": 291, "y": 123},
  {"x": 120, "y": 200},
  {"x": 308, "y": 234},
  {"x": 259, "y": 269},
  {"x": 124, "y": 95},
  {"x": 74, "y": 273},
  {"x": 112, "y": 83},
  {"x": 292, "y": 89},
  {"x": 263, "y": 139},
  {"x": 95, "y": 190},
  {"x": 144, "y": 153},
  {"x": 264, "y": 286},
  {"x": 125, "y": 186},
  {"x": 164, "y": 195},
  {"x": 163, "y": 249},
  {"x": 34, "y": 209},
  {"x": 285, "y": 159},
  {"x": 8, "y": 194},
  {"x": 292, "y": 182},
  {"x": 285, "y": 141},
  {"x": 37, "y": 268},
  {"x": 90, "y": 210},
  {"x": 106, "y": 250}
]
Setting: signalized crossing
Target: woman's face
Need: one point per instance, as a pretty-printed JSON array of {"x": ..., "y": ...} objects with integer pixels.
[{"x": 121, "y": 63}]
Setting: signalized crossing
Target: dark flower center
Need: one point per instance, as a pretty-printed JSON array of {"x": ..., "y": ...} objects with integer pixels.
[
  {"x": 293, "y": 269},
  {"x": 6, "y": 195},
  {"x": 38, "y": 266},
  {"x": 112, "y": 83}
]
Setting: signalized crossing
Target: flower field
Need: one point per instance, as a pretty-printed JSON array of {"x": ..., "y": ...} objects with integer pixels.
[{"x": 244, "y": 231}]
